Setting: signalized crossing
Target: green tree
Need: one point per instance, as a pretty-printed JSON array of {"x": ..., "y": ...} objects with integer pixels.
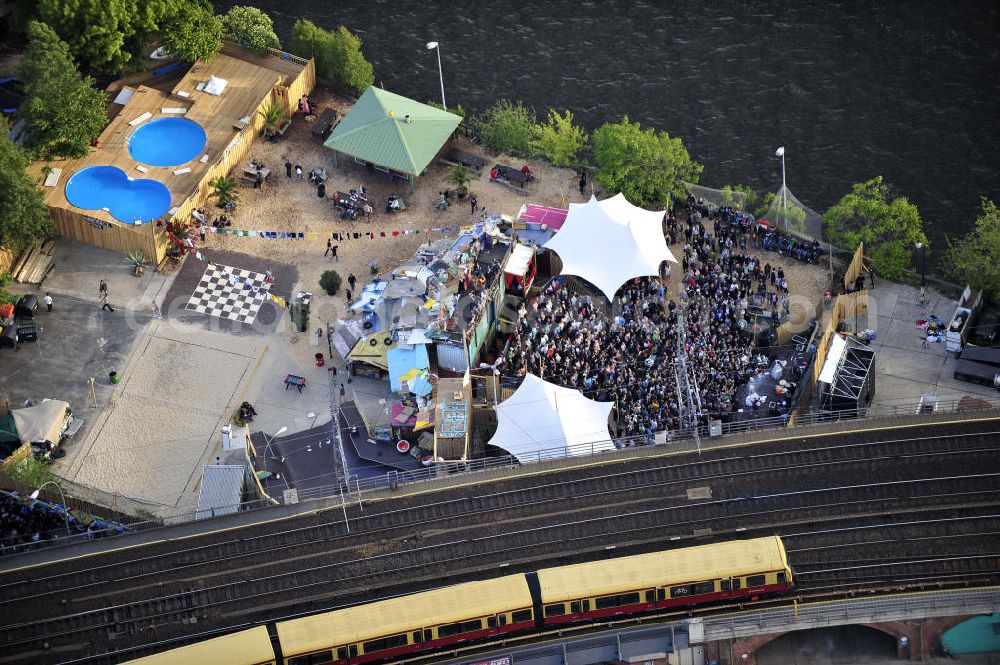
[
  {"x": 507, "y": 127},
  {"x": 559, "y": 140},
  {"x": 889, "y": 225},
  {"x": 106, "y": 35},
  {"x": 24, "y": 217},
  {"x": 645, "y": 165},
  {"x": 741, "y": 197},
  {"x": 65, "y": 111},
  {"x": 353, "y": 71},
  {"x": 195, "y": 33},
  {"x": 338, "y": 55},
  {"x": 975, "y": 258},
  {"x": 250, "y": 27}
]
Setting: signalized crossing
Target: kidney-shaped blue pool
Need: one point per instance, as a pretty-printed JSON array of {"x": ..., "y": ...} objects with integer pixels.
[
  {"x": 167, "y": 142},
  {"x": 108, "y": 188}
]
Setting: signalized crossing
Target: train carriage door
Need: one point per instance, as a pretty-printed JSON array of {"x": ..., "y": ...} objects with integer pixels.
[
  {"x": 353, "y": 649},
  {"x": 502, "y": 618},
  {"x": 428, "y": 635},
  {"x": 418, "y": 636}
]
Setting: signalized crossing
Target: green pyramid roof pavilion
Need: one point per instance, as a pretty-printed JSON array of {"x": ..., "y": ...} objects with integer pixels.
[{"x": 393, "y": 131}]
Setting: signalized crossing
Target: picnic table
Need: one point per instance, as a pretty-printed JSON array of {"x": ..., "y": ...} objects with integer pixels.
[
  {"x": 295, "y": 380},
  {"x": 466, "y": 159},
  {"x": 325, "y": 124},
  {"x": 511, "y": 177},
  {"x": 250, "y": 172},
  {"x": 511, "y": 174}
]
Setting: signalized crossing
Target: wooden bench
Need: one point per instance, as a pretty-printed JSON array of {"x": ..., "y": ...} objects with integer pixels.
[{"x": 325, "y": 124}]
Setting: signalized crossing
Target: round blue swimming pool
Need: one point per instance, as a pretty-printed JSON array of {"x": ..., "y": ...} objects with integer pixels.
[
  {"x": 166, "y": 142},
  {"x": 108, "y": 188}
]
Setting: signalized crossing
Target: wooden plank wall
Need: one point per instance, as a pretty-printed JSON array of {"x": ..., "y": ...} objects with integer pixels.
[
  {"x": 117, "y": 237},
  {"x": 241, "y": 145},
  {"x": 856, "y": 268},
  {"x": 6, "y": 259}
]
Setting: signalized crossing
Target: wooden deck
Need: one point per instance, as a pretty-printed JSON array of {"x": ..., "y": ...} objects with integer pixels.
[{"x": 253, "y": 82}]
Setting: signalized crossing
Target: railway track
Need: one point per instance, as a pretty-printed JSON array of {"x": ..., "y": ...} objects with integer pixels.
[{"x": 926, "y": 486}]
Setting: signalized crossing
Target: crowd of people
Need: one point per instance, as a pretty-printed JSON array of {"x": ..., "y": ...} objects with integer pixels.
[
  {"x": 22, "y": 521},
  {"x": 725, "y": 299}
]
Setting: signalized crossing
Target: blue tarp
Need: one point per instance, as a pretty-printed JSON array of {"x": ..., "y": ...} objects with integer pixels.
[{"x": 401, "y": 361}]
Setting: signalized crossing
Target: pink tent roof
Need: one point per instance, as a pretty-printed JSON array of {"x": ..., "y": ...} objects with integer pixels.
[{"x": 535, "y": 214}]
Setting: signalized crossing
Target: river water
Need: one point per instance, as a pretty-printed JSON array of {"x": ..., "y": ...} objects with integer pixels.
[{"x": 853, "y": 89}]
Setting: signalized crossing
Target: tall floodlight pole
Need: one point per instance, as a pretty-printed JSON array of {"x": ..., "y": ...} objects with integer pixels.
[
  {"x": 780, "y": 152},
  {"x": 435, "y": 47}
]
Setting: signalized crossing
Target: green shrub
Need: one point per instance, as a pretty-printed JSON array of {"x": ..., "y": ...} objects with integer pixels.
[
  {"x": 507, "y": 127},
  {"x": 330, "y": 281}
]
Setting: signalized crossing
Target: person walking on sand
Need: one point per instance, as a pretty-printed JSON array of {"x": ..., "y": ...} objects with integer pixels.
[
  {"x": 288, "y": 168},
  {"x": 298, "y": 172},
  {"x": 48, "y": 302},
  {"x": 329, "y": 245},
  {"x": 105, "y": 305},
  {"x": 351, "y": 279},
  {"x": 333, "y": 249},
  {"x": 473, "y": 204}
]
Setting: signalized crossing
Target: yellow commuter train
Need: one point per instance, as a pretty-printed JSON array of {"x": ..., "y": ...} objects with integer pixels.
[{"x": 390, "y": 629}]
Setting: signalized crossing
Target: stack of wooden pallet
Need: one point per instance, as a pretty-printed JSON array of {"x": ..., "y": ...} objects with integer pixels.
[{"x": 34, "y": 264}]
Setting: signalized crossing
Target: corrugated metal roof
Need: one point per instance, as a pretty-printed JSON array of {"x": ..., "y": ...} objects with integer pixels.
[
  {"x": 221, "y": 489},
  {"x": 690, "y": 564},
  {"x": 403, "y": 614},
  {"x": 393, "y": 131}
]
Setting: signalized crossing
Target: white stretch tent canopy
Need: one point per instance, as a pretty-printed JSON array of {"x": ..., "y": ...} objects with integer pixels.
[
  {"x": 610, "y": 242},
  {"x": 542, "y": 420}
]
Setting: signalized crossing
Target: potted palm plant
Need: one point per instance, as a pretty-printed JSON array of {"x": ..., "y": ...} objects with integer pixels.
[
  {"x": 138, "y": 262},
  {"x": 460, "y": 178},
  {"x": 275, "y": 121},
  {"x": 226, "y": 190}
]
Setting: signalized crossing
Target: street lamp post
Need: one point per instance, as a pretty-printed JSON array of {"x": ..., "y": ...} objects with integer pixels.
[
  {"x": 62, "y": 495},
  {"x": 270, "y": 439},
  {"x": 435, "y": 47},
  {"x": 780, "y": 152},
  {"x": 923, "y": 271}
]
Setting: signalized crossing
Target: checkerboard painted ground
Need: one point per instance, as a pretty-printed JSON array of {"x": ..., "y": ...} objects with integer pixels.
[{"x": 218, "y": 295}]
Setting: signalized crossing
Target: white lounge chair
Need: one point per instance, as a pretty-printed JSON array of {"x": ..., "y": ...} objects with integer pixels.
[
  {"x": 186, "y": 169},
  {"x": 141, "y": 119},
  {"x": 141, "y": 169},
  {"x": 53, "y": 177},
  {"x": 174, "y": 110}
]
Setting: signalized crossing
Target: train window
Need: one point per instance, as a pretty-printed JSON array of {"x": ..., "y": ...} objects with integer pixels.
[
  {"x": 680, "y": 591},
  {"x": 342, "y": 653},
  {"x": 702, "y": 587},
  {"x": 575, "y": 607},
  {"x": 782, "y": 578},
  {"x": 385, "y": 643},
  {"x": 520, "y": 616},
  {"x": 736, "y": 584},
  {"x": 472, "y": 626},
  {"x": 418, "y": 636},
  {"x": 503, "y": 619},
  {"x": 650, "y": 596},
  {"x": 661, "y": 594},
  {"x": 449, "y": 629},
  {"x": 605, "y": 602},
  {"x": 556, "y": 610},
  {"x": 724, "y": 585},
  {"x": 353, "y": 650},
  {"x": 428, "y": 634},
  {"x": 491, "y": 622},
  {"x": 755, "y": 580},
  {"x": 312, "y": 658},
  {"x": 586, "y": 605}
]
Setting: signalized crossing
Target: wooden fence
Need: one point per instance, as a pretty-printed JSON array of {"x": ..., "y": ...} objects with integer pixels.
[
  {"x": 6, "y": 259},
  {"x": 856, "y": 268},
  {"x": 145, "y": 238}
]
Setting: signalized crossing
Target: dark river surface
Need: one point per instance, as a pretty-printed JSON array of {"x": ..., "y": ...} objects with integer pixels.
[{"x": 905, "y": 89}]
